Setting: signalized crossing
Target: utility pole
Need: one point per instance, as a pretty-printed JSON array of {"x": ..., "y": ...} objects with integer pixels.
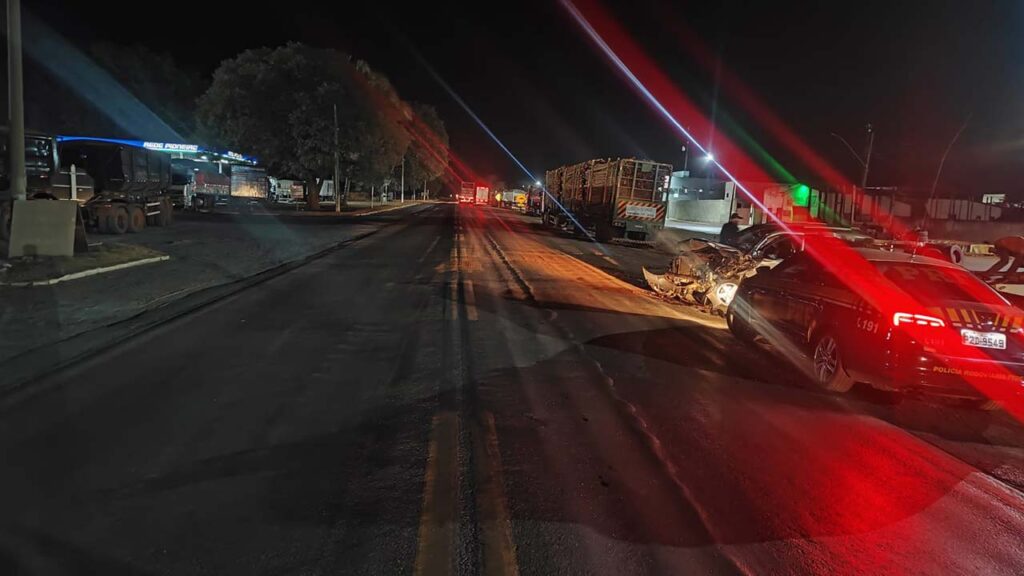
[
  {"x": 337, "y": 166},
  {"x": 865, "y": 165},
  {"x": 867, "y": 158},
  {"x": 938, "y": 172},
  {"x": 403, "y": 178},
  {"x": 16, "y": 111},
  {"x": 863, "y": 176}
]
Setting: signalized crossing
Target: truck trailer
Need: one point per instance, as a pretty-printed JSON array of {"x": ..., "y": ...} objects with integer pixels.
[
  {"x": 467, "y": 193},
  {"x": 41, "y": 168},
  {"x": 483, "y": 195},
  {"x": 233, "y": 185},
  {"x": 129, "y": 184},
  {"x": 613, "y": 198}
]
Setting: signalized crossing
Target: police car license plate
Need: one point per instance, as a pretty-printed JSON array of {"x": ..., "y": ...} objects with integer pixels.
[{"x": 983, "y": 339}]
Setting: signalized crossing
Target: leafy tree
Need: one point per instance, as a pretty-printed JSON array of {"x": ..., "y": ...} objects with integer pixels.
[
  {"x": 278, "y": 104},
  {"x": 168, "y": 90},
  {"x": 428, "y": 149}
]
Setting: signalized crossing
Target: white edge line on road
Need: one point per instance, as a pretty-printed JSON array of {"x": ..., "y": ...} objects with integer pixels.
[
  {"x": 87, "y": 273},
  {"x": 414, "y": 203}
]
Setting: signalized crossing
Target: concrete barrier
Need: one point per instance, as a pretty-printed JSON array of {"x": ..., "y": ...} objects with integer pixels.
[{"x": 43, "y": 228}]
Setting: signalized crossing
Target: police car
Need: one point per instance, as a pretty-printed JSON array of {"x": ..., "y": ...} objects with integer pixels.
[{"x": 892, "y": 320}]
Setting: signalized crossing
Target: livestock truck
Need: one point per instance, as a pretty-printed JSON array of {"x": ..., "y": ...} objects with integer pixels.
[{"x": 613, "y": 198}]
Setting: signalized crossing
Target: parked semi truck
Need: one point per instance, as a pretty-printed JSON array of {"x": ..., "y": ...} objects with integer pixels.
[
  {"x": 234, "y": 186},
  {"x": 129, "y": 184},
  {"x": 483, "y": 195},
  {"x": 41, "y": 168},
  {"x": 125, "y": 184},
  {"x": 467, "y": 193},
  {"x": 613, "y": 198}
]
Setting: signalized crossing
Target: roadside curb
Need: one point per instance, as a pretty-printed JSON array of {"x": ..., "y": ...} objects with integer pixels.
[
  {"x": 87, "y": 273},
  {"x": 32, "y": 365}
]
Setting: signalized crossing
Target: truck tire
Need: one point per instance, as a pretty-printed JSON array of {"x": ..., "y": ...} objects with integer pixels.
[
  {"x": 956, "y": 254},
  {"x": 117, "y": 220},
  {"x": 604, "y": 232},
  {"x": 136, "y": 219}
]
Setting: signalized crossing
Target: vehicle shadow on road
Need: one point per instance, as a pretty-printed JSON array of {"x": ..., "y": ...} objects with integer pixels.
[
  {"x": 698, "y": 347},
  {"x": 648, "y": 452}
]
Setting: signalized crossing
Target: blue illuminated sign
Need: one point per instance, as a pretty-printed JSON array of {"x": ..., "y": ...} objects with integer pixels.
[{"x": 162, "y": 147}]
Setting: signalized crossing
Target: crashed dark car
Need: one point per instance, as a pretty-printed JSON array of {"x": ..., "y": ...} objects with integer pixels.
[
  {"x": 912, "y": 324},
  {"x": 707, "y": 273}
]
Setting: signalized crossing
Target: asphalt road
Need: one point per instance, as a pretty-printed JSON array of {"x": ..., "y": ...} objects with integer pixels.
[{"x": 463, "y": 392}]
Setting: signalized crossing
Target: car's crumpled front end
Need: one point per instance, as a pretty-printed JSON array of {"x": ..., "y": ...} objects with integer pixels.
[{"x": 704, "y": 273}]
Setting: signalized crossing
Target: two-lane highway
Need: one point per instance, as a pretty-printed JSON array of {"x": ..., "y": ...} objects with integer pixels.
[{"x": 457, "y": 394}]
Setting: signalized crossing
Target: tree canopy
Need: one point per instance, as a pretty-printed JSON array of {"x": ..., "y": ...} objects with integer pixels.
[
  {"x": 278, "y": 104},
  {"x": 428, "y": 150}
]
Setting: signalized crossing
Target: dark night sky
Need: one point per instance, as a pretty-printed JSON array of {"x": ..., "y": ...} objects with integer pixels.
[{"x": 915, "y": 69}]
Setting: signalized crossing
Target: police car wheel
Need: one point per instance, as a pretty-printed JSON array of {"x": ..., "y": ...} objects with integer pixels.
[{"x": 829, "y": 372}]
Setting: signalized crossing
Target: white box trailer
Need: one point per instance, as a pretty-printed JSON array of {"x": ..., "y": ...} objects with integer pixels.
[{"x": 483, "y": 194}]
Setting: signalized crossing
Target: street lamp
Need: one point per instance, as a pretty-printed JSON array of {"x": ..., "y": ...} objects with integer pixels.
[
  {"x": 709, "y": 163},
  {"x": 865, "y": 163},
  {"x": 537, "y": 183}
]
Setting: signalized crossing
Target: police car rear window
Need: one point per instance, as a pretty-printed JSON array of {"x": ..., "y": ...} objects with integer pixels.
[{"x": 938, "y": 284}]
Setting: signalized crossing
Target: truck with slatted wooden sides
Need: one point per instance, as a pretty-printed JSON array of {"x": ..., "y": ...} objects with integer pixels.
[{"x": 610, "y": 198}]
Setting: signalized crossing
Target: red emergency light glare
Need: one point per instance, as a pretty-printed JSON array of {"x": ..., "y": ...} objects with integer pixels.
[
  {"x": 438, "y": 152},
  {"x": 402, "y": 117},
  {"x": 734, "y": 86},
  {"x": 861, "y": 276}
]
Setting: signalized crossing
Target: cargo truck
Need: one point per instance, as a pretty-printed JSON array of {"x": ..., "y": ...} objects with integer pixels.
[
  {"x": 129, "y": 184},
  {"x": 467, "y": 193},
  {"x": 234, "y": 186},
  {"x": 611, "y": 198},
  {"x": 483, "y": 195},
  {"x": 41, "y": 168}
]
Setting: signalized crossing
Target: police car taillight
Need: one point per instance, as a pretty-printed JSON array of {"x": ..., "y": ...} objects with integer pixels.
[{"x": 908, "y": 319}]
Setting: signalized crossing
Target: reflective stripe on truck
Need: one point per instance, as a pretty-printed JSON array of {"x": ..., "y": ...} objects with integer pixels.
[{"x": 640, "y": 210}]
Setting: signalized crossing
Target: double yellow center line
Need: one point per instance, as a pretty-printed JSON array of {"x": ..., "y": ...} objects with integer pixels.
[{"x": 439, "y": 517}]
